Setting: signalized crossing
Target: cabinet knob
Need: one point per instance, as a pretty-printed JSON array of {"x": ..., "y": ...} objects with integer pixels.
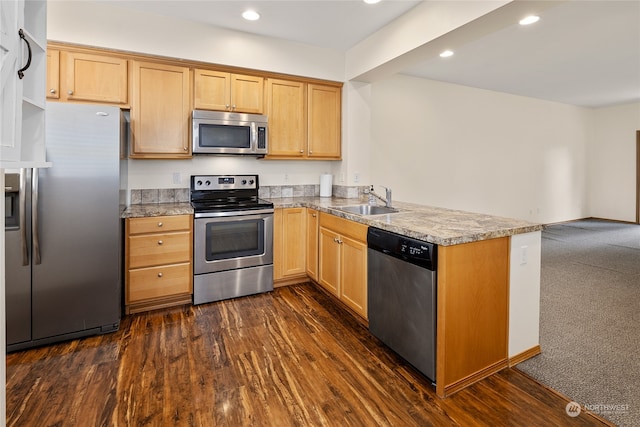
[
  {"x": 160, "y": 242},
  {"x": 301, "y": 151},
  {"x": 159, "y": 274},
  {"x": 227, "y": 106},
  {"x": 160, "y": 224},
  {"x": 69, "y": 92},
  {"x": 310, "y": 152},
  {"x": 314, "y": 215},
  {"x": 52, "y": 91}
]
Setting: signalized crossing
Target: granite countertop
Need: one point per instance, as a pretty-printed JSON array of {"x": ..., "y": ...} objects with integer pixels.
[{"x": 432, "y": 224}]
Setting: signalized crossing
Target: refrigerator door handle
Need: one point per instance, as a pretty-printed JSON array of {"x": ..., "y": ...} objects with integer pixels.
[
  {"x": 34, "y": 217},
  {"x": 23, "y": 215}
]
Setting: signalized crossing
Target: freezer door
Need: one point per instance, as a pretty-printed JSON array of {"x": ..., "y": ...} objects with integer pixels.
[
  {"x": 17, "y": 290},
  {"x": 77, "y": 284}
]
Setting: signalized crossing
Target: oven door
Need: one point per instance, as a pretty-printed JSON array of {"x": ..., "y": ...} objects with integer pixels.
[{"x": 232, "y": 242}]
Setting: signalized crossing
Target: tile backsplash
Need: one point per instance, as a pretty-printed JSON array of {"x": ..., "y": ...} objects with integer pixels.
[{"x": 181, "y": 195}]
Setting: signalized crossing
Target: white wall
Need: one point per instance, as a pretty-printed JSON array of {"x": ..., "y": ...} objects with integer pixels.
[
  {"x": 453, "y": 146},
  {"x": 612, "y": 163}
]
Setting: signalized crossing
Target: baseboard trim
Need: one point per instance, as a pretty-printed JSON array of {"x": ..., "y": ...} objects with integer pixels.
[
  {"x": 525, "y": 355},
  {"x": 449, "y": 389}
]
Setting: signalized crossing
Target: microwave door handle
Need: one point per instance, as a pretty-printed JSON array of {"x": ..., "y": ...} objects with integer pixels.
[
  {"x": 22, "y": 202},
  {"x": 34, "y": 217}
]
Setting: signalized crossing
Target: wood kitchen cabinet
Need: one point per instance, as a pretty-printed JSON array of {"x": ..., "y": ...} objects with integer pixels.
[
  {"x": 92, "y": 78},
  {"x": 289, "y": 248},
  {"x": 216, "y": 90},
  {"x": 158, "y": 254},
  {"x": 53, "y": 74},
  {"x": 323, "y": 121},
  {"x": 473, "y": 313},
  {"x": 304, "y": 120},
  {"x": 313, "y": 225},
  {"x": 160, "y": 111},
  {"x": 342, "y": 264}
]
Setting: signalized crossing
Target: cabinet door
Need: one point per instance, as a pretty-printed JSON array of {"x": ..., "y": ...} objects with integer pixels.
[
  {"x": 329, "y": 261},
  {"x": 247, "y": 94},
  {"x": 312, "y": 243},
  {"x": 11, "y": 13},
  {"x": 354, "y": 275},
  {"x": 53, "y": 74},
  {"x": 286, "y": 109},
  {"x": 212, "y": 90},
  {"x": 278, "y": 244},
  {"x": 160, "y": 111},
  {"x": 94, "y": 78},
  {"x": 324, "y": 112},
  {"x": 294, "y": 241}
]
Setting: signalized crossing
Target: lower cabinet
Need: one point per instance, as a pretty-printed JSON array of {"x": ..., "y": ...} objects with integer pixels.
[
  {"x": 289, "y": 244},
  {"x": 342, "y": 263},
  {"x": 158, "y": 253}
]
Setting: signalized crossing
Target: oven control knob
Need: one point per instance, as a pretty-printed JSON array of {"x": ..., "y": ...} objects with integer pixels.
[
  {"x": 199, "y": 182},
  {"x": 244, "y": 182},
  {"x": 250, "y": 182},
  {"x": 208, "y": 182}
]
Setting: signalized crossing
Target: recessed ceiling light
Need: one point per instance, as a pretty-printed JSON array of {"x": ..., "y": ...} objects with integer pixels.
[
  {"x": 446, "y": 54},
  {"x": 531, "y": 19},
  {"x": 250, "y": 15},
  {"x": 371, "y": 1}
]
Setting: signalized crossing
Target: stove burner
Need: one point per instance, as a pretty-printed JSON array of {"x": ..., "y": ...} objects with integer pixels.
[{"x": 226, "y": 193}]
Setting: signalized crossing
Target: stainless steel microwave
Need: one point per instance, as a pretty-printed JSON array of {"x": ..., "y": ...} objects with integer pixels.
[{"x": 220, "y": 132}]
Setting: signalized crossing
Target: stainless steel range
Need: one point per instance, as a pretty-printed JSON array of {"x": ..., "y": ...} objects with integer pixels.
[{"x": 232, "y": 239}]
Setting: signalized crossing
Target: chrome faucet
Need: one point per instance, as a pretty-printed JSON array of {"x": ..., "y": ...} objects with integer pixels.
[{"x": 386, "y": 199}]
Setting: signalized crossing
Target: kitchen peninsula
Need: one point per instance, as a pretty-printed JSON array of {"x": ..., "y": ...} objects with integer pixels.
[{"x": 488, "y": 279}]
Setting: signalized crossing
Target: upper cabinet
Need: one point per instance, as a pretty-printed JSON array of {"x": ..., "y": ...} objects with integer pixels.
[
  {"x": 323, "y": 121},
  {"x": 93, "y": 78},
  {"x": 160, "y": 111},
  {"x": 286, "y": 109},
  {"x": 304, "y": 120},
  {"x": 22, "y": 72},
  {"x": 216, "y": 90},
  {"x": 304, "y": 114}
]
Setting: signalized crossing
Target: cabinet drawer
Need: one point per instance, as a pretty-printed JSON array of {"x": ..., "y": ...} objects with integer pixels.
[
  {"x": 159, "y": 224},
  {"x": 344, "y": 227},
  {"x": 157, "y": 282},
  {"x": 156, "y": 249}
]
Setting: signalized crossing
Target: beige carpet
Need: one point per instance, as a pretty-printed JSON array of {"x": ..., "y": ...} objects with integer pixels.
[{"x": 590, "y": 317}]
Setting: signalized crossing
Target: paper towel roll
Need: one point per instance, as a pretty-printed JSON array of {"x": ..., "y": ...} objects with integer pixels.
[{"x": 326, "y": 181}]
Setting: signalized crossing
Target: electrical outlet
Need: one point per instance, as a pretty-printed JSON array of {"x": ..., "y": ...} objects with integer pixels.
[
  {"x": 177, "y": 178},
  {"x": 356, "y": 178},
  {"x": 524, "y": 255},
  {"x": 286, "y": 177}
]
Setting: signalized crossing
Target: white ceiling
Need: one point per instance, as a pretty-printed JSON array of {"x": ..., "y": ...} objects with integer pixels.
[{"x": 585, "y": 53}]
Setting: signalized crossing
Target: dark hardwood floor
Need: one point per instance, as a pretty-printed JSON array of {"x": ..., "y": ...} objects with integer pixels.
[{"x": 292, "y": 357}]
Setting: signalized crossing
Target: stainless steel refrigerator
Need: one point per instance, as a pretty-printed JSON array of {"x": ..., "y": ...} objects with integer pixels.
[{"x": 63, "y": 250}]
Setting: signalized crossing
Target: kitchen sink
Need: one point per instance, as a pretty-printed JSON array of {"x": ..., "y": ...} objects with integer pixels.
[{"x": 366, "y": 209}]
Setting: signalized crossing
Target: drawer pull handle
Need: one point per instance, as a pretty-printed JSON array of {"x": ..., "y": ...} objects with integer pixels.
[
  {"x": 159, "y": 224},
  {"x": 159, "y": 274},
  {"x": 160, "y": 242}
]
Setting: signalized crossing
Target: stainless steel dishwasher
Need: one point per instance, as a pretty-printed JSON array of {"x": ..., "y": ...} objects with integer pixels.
[{"x": 402, "y": 296}]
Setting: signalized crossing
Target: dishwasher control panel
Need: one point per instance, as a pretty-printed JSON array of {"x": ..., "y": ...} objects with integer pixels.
[{"x": 411, "y": 250}]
